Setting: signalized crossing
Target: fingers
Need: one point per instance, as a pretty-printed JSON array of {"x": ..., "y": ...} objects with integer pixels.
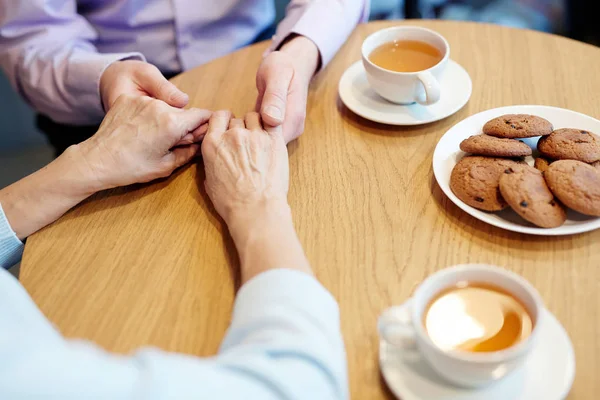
[
  {"x": 194, "y": 118},
  {"x": 218, "y": 124},
  {"x": 187, "y": 121},
  {"x": 199, "y": 132},
  {"x": 152, "y": 81},
  {"x": 187, "y": 139},
  {"x": 195, "y": 136},
  {"x": 236, "y": 123},
  {"x": 272, "y": 109},
  {"x": 180, "y": 156},
  {"x": 252, "y": 121}
]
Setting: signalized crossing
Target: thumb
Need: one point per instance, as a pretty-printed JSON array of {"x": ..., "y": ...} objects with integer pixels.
[
  {"x": 274, "y": 99},
  {"x": 156, "y": 85}
]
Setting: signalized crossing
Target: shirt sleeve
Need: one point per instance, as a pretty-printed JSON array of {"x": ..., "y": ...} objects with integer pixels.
[
  {"x": 284, "y": 343},
  {"x": 328, "y": 23},
  {"x": 11, "y": 248},
  {"x": 47, "y": 53}
]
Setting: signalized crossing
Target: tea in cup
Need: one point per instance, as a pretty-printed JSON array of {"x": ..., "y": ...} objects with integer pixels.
[
  {"x": 474, "y": 324},
  {"x": 404, "y": 63}
]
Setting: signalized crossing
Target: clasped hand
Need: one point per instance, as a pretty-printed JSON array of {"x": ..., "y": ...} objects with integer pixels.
[
  {"x": 282, "y": 82},
  {"x": 139, "y": 141}
]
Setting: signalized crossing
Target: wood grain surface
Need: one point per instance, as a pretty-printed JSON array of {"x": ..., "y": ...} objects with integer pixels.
[{"x": 153, "y": 264}]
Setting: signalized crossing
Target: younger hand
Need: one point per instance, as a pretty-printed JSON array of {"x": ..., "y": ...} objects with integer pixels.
[
  {"x": 282, "y": 81},
  {"x": 246, "y": 165},
  {"x": 136, "y": 140},
  {"x": 138, "y": 78}
]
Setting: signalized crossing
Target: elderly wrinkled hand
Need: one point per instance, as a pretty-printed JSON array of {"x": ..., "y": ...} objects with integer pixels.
[
  {"x": 140, "y": 140},
  {"x": 246, "y": 164}
]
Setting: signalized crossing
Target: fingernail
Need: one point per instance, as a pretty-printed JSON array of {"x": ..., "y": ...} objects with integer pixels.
[
  {"x": 273, "y": 112},
  {"x": 182, "y": 97}
]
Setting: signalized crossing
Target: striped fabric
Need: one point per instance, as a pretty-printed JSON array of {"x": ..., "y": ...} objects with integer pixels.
[{"x": 11, "y": 248}]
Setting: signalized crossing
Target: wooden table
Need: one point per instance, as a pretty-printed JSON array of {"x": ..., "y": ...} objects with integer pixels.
[{"x": 153, "y": 264}]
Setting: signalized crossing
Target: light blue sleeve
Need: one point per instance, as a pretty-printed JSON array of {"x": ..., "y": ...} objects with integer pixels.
[
  {"x": 284, "y": 343},
  {"x": 11, "y": 248}
]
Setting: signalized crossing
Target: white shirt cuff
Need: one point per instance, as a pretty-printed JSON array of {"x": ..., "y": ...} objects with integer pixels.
[{"x": 11, "y": 248}]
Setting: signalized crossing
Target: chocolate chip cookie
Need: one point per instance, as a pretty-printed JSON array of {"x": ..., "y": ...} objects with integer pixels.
[
  {"x": 485, "y": 145},
  {"x": 475, "y": 180},
  {"x": 525, "y": 190},
  {"x": 541, "y": 164},
  {"x": 571, "y": 144},
  {"x": 576, "y": 185},
  {"x": 515, "y": 126}
]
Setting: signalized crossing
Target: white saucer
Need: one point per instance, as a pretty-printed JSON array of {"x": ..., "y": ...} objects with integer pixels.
[
  {"x": 447, "y": 153},
  {"x": 547, "y": 374},
  {"x": 357, "y": 95}
]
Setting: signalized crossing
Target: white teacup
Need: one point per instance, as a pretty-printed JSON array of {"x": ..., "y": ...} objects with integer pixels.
[
  {"x": 402, "y": 326},
  {"x": 406, "y": 87}
]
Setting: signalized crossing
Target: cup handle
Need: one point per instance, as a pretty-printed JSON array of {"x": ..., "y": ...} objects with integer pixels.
[
  {"x": 432, "y": 89},
  {"x": 395, "y": 327}
]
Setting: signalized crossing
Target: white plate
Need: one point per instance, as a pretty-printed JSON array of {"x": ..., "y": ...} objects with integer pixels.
[
  {"x": 357, "y": 95},
  {"x": 546, "y": 375},
  {"x": 447, "y": 154}
]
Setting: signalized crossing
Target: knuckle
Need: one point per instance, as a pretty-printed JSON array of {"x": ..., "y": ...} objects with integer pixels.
[
  {"x": 148, "y": 68},
  {"x": 300, "y": 116},
  {"x": 142, "y": 69},
  {"x": 238, "y": 132},
  {"x": 170, "y": 122},
  {"x": 300, "y": 129},
  {"x": 153, "y": 67},
  {"x": 236, "y": 136}
]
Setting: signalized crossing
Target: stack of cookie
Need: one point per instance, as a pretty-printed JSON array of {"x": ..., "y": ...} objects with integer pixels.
[{"x": 495, "y": 176}]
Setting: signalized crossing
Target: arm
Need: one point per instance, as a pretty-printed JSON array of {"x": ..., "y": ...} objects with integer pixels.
[
  {"x": 42, "y": 197},
  {"x": 284, "y": 341},
  {"x": 307, "y": 39},
  {"x": 47, "y": 52},
  {"x": 37, "y": 200},
  {"x": 98, "y": 164}
]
